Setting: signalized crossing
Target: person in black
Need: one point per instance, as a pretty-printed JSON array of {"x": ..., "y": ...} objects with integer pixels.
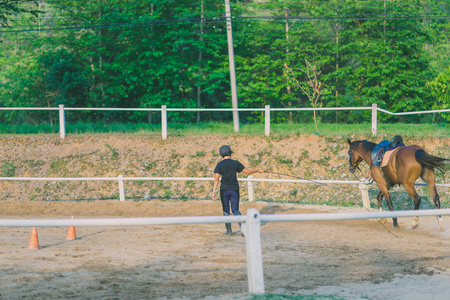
[
  {"x": 397, "y": 141},
  {"x": 229, "y": 186}
]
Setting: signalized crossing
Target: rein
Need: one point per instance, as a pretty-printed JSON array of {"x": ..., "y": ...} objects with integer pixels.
[
  {"x": 296, "y": 177},
  {"x": 366, "y": 182},
  {"x": 334, "y": 188}
]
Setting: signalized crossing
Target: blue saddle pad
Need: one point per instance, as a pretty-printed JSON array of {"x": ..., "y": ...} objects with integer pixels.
[{"x": 377, "y": 153}]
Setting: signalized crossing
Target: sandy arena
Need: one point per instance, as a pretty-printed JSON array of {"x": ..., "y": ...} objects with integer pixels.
[{"x": 349, "y": 259}]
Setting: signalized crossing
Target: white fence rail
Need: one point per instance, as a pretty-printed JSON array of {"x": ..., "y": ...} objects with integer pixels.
[
  {"x": 267, "y": 109},
  {"x": 363, "y": 187},
  {"x": 251, "y": 224}
]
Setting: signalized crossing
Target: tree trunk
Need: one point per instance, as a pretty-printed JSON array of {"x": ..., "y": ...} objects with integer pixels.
[
  {"x": 200, "y": 55},
  {"x": 288, "y": 87},
  {"x": 315, "y": 122},
  {"x": 337, "y": 26}
]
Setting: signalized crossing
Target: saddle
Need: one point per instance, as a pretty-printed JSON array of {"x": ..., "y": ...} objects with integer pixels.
[
  {"x": 378, "y": 152},
  {"x": 387, "y": 155},
  {"x": 381, "y": 154}
]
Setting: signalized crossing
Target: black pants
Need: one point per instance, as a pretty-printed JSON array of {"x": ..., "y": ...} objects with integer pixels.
[{"x": 230, "y": 200}]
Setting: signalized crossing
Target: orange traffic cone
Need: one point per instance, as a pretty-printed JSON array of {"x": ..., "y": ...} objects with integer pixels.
[
  {"x": 71, "y": 235},
  {"x": 34, "y": 243}
]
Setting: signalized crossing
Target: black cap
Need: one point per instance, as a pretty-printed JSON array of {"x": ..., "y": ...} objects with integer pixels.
[
  {"x": 397, "y": 139},
  {"x": 225, "y": 150}
]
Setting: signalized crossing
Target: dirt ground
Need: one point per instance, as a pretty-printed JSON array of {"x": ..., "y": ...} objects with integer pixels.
[{"x": 359, "y": 259}]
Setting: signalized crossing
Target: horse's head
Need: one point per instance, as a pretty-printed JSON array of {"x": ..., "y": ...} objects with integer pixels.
[{"x": 354, "y": 155}]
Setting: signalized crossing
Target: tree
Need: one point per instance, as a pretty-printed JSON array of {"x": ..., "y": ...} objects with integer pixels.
[
  {"x": 65, "y": 79},
  {"x": 148, "y": 53},
  {"x": 311, "y": 86},
  {"x": 389, "y": 65},
  {"x": 440, "y": 89},
  {"x": 10, "y": 8}
]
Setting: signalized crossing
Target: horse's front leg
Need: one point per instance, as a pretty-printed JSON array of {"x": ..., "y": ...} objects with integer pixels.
[
  {"x": 384, "y": 191},
  {"x": 391, "y": 207}
]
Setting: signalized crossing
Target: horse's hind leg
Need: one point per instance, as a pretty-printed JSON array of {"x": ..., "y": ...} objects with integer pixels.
[
  {"x": 380, "y": 202},
  {"x": 429, "y": 177},
  {"x": 391, "y": 208},
  {"x": 416, "y": 198}
]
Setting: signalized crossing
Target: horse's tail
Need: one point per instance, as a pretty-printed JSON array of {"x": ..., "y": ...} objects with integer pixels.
[{"x": 431, "y": 162}]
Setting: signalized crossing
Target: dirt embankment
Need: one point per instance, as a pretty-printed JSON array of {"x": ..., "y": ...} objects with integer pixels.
[
  {"x": 354, "y": 259},
  {"x": 100, "y": 155}
]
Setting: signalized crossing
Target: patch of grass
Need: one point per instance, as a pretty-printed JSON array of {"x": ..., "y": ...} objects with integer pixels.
[
  {"x": 198, "y": 154},
  {"x": 277, "y": 131},
  {"x": 254, "y": 160},
  {"x": 190, "y": 183},
  {"x": 304, "y": 155},
  {"x": 322, "y": 161},
  {"x": 113, "y": 151},
  {"x": 174, "y": 155},
  {"x": 148, "y": 165},
  {"x": 167, "y": 195},
  {"x": 177, "y": 133},
  {"x": 59, "y": 166},
  {"x": 7, "y": 169},
  {"x": 284, "y": 160}
]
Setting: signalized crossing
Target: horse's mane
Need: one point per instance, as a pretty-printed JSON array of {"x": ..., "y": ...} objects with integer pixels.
[{"x": 366, "y": 145}]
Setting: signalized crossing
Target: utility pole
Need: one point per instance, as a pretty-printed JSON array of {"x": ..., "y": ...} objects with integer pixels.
[{"x": 232, "y": 70}]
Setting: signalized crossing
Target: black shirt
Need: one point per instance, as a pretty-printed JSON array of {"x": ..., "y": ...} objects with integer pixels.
[{"x": 228, "y": 169}]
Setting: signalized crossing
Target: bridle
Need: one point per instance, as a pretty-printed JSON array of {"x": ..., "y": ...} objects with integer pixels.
[{"x": 356, "y": 166}]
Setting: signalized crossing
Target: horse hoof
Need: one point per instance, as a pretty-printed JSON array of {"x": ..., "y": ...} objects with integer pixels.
[
  {"x": 415, "y": 222},
  {"x": 441, "y": 224},
  {"x": 395, "y": 226}
]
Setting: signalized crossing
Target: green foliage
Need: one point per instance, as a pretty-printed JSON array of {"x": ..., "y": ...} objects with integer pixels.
[
  {"x": 11, "y": 8},
  {"x": 7, "y": 169},
  {"x": 440, "y": 88},
  {"x": 64, "y": 77},
  {"x": 200, "y": 153},
  {"x": 148, "y": 165},
  {"x": 128, "y": 54},
  {"x": 278, "y": 131},
  {"x": 113, "y": 151}
]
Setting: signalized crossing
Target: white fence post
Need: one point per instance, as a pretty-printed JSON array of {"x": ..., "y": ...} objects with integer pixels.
[
  {"x": 251, "y": 189},
  {"x": 267, "y": 120},
  {"x": 62, "y": 122},
  {"x": 121, "y": 188},
  {"x": 374, "y": 119},
  {"x": 365, "y": 195},
  {"x": 164, "y": 121},
  {"x": 255, "y": 272}
]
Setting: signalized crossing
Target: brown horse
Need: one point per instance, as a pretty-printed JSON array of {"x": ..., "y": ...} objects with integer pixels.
[{"x": 405, "y": 167}]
